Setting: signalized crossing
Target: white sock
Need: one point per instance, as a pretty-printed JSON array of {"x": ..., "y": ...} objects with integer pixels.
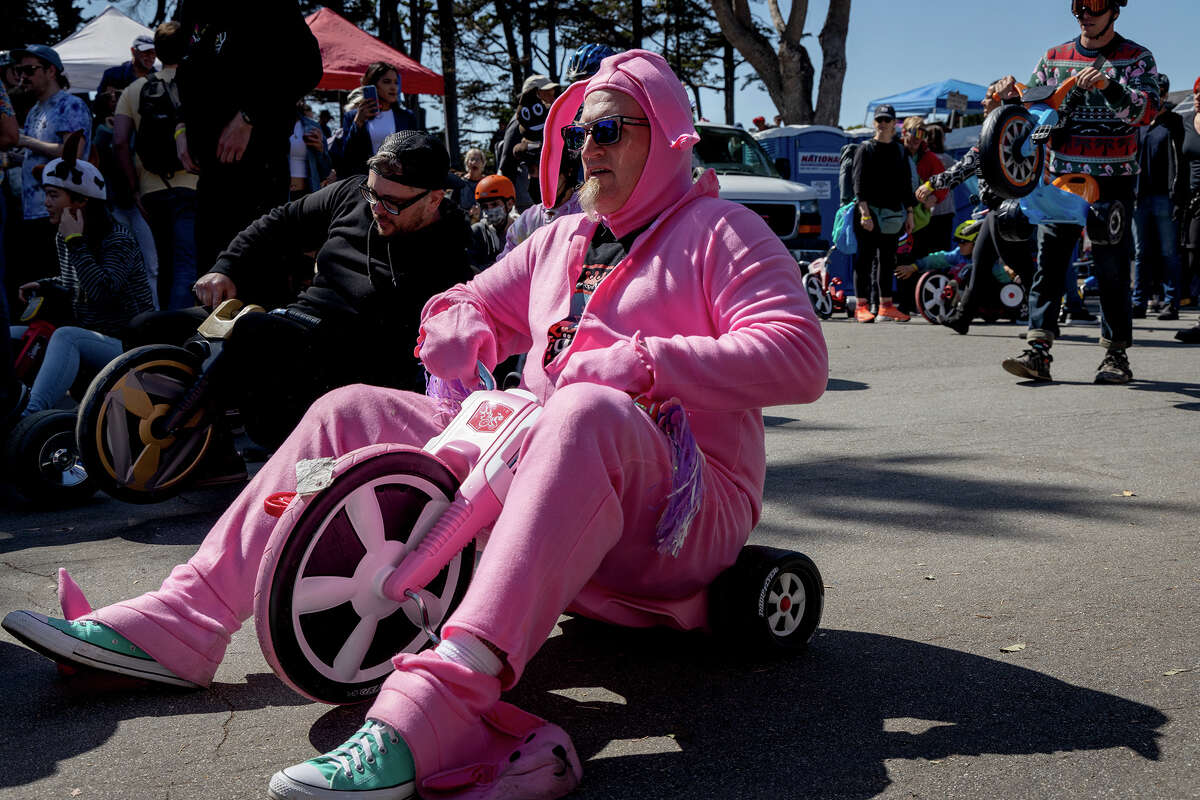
[{"x": 466, "y": 649}]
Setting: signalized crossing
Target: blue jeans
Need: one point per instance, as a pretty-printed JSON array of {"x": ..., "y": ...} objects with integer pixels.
[
  {"x": 68, "y": 349},
  {"x": 173, "y": 220},
  {"x": 1155, "y": 234},
  {"x": 1110, "y": 265}
]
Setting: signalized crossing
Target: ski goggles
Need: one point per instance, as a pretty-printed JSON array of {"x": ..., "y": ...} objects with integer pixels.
[
  {"x": 604, "y": 131},
  {"x": 1091, "y": 7}
]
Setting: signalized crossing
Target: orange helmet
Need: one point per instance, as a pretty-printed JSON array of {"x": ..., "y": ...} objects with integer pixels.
[{"x": 495, "y": 186}]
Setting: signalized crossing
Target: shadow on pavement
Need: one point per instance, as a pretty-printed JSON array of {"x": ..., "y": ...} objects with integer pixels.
[
  {"x": 1191, "y": 390},
  {"x": 928, "y": 493},
  {"x": 53, "y": 718},
  {"x": 665, "y": 715}
]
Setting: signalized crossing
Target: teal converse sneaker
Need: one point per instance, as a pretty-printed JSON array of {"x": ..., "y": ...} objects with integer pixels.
[
  {"x": 373, "y": 764},
  {"x": 82, "y": 643}
]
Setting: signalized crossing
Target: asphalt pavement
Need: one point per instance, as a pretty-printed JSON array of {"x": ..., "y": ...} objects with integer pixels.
[{"x": 1012, "y": 589}]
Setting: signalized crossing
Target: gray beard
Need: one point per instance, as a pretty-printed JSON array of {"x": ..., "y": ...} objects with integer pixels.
[{"x": 589, "y": 196}]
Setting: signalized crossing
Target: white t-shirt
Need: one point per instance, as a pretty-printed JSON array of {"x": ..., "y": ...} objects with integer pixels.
[
  {"x": 298, "y": 155},
  {"x": 383, "y": 126}
]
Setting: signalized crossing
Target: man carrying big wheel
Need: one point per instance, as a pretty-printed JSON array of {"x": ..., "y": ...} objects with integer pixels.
[{"x": 1119, "y": 81}]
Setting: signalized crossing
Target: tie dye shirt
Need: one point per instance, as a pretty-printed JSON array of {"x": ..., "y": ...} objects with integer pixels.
[
  {"x": 1103, "y": 140},
  {"x": 50, "y": 121}
]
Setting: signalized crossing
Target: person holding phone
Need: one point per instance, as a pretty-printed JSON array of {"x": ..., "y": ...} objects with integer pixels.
[
  {"x": 379, "y": 115},
  {"x": 100, "y": 271}
]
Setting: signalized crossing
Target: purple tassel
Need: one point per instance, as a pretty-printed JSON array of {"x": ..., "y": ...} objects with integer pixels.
[
  {"x": 448, "y": 394},
  {"x": 687, "y": 485}
]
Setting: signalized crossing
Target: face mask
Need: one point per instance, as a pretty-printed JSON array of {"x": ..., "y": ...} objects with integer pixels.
[{"x": 495, "y": 215}]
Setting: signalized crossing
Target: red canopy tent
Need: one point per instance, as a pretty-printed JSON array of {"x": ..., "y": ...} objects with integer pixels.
[{"x": 347, "y": 50}]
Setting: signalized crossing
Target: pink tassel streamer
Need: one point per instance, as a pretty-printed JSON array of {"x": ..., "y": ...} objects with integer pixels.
[{"x": 687, "y": 484}]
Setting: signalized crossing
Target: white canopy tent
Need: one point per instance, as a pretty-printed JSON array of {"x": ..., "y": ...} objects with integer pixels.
[{"x": 102, "y": 43}]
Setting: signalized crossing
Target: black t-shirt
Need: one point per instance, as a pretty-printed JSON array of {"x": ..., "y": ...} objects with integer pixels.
[
  {"x": 1191, "y": 151},
  {"x": 882, "y": 176},
  {"x": 604, "y": 252}
]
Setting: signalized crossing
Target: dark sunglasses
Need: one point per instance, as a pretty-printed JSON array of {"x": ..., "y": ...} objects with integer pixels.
[
  {"x": 389, "y": 206},
  {"x": 604, "y": 131},
  {"x": 28, "y": 69}
]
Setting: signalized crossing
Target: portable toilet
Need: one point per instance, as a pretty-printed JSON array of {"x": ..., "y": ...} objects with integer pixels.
[{"x": 812, "y": 153}]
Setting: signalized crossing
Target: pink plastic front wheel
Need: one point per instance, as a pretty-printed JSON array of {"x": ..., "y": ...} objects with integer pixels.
[{"x": 322, "y": 623}]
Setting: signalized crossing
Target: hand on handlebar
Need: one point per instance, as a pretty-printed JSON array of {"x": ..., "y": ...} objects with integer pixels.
[
  {"x": 1005, "y": 88},
  {"x": 213, "y": 289},
  {"x": 1091, "y": 78}
]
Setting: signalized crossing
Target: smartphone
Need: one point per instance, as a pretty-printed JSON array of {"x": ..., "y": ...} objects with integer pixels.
[{"x": 370, "y": 94}]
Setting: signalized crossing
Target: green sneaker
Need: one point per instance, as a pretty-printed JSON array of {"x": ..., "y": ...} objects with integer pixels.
[
  {"x": 83, "y": 643},
  {"x": 373, "y": 764}
]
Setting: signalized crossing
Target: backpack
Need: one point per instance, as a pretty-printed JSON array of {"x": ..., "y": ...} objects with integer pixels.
[
  {"x": 846, "y": 171},
  {"x": 155, "y": 139}
]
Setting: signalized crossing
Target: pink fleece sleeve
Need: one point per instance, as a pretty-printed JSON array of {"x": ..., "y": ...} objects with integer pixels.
[
  {"x": 769, "y": 349},
  {"x": 495, "y": 301}
]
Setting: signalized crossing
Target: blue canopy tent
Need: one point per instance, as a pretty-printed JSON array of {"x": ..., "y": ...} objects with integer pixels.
[{"x": 930, "y": 99}]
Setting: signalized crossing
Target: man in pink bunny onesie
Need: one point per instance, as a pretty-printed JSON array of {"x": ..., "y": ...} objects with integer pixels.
[{"x": 662, "y": 290}]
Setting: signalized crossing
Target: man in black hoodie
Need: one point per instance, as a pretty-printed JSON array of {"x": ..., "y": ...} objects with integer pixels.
[{"x": 384, "y": 243}]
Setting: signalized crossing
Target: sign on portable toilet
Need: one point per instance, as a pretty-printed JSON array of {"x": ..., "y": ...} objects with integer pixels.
[{"x": 813, "y": 153}]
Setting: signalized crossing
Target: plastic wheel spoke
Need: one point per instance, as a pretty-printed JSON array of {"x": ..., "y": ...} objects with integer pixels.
[
  {"x": 144, "y": 467},
  {"x": 160, "y": 385},
  {"x": 116, "y": 436},
  {"x": 349, "y": 659},
  {"x": 362, "y": 507},
  {"x": 322, "y": 592},
  {"x": 135, "y": 398}
]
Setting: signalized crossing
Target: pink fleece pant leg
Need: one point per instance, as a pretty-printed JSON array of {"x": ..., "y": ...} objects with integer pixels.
[
  {"x": 581, "y": 512},
  {"x": 186, "y": 624}
]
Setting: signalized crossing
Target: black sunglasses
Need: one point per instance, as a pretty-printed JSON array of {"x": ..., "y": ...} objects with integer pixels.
[
  {"x": 389, "y": 206},
  {"x": 28, "y": 69},
  {"x": 605, "y": 131}
]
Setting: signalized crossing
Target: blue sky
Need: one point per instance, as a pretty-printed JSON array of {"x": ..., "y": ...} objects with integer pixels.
[{"x": 895, "y": 46}]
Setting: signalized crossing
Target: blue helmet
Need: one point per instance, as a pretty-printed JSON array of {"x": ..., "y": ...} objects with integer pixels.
[{"x": 586, "y": 61}]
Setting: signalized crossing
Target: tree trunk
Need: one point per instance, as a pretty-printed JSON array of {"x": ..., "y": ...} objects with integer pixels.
[
  {"x": 526, "y": 28},
  {"x": 446, "y": 33},
  {"x": 416, "y": 28},
  {"x": 552, "y": 38},
  {"x": 504, "y": 14},
  {"x": 728, "y": 64},
  {"x": 67, "y": 17},
  {"x": 637, "y": 24},
  {"x": 787, "y": 70}
]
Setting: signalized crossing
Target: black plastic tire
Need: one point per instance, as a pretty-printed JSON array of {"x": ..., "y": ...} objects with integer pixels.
[
  {"x": 770, "y": 601},
  {"x": 119, "y": 442},
  {"x": 822, "y": 303},
  {"x": 42, "y": 459},
  {"x": 332, "y": 538},
  {"x": 1007, "y": 173},
  {"x": 1106, "y": 222},
  {"x": 1011, "y": 223}
]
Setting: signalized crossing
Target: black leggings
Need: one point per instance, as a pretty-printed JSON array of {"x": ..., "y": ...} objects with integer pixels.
[{"x": 868, "y": 270}]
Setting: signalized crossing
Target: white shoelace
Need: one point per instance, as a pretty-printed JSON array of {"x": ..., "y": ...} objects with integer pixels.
[{"x": 348, "y": 755}]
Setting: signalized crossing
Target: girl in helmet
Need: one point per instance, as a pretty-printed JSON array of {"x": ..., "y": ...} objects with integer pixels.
[{"x": 100, "y": 271}]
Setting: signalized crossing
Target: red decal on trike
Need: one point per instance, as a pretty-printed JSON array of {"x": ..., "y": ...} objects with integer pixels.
[{"x": 489, "y": 417}]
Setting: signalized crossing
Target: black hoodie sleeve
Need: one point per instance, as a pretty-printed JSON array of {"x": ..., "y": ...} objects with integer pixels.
[{"x": 296, "y": 227}]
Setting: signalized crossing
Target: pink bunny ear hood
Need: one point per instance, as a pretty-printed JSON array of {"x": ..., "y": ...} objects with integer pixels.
[{"x": 667, "y": 176}]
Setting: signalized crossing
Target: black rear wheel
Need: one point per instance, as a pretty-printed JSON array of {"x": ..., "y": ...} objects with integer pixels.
[
  {"x": 43, "y": 459},
  {"x": 770, "y": 601}
]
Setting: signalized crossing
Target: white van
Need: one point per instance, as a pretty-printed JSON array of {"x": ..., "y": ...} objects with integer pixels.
[{"x": 749, "y": 177}]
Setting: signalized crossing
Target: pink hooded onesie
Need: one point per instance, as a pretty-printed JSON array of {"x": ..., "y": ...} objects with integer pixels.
[{"x": 706, "y": 307}]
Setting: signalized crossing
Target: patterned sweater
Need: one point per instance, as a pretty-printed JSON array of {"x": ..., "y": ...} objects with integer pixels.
[
  {"x": 107, "y": 283},
  {"x": 1103, "y": 139}
]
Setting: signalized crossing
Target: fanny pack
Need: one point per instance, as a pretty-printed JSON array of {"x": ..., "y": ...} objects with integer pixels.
[{"x": 890, "y": 220}]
